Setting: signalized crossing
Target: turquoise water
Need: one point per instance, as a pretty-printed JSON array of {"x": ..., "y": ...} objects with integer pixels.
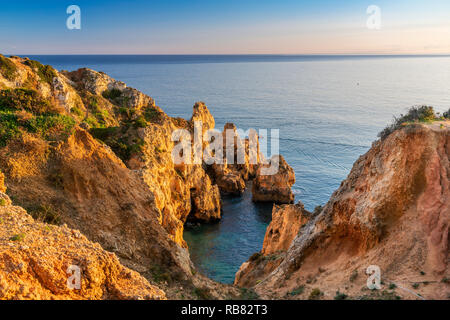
[{"x": 329, "y": 109}]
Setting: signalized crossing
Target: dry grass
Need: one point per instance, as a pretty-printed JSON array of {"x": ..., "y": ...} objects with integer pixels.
[{"x": 26, "y": 157}]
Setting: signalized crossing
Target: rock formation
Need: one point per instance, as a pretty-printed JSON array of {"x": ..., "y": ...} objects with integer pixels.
[
  {"x": 35, "y": 262},
  {"x": 287, "y": 221},
  {"x": 274, "y": 187},
  {"x": 393, "y": 211}
]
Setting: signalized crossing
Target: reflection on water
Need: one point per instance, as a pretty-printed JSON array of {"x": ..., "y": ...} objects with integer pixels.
[{"x": 218, "y": 250}]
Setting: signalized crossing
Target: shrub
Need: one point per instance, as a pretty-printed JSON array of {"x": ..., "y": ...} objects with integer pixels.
[
  {"x": 202, "y": 293},
  {"x": 297, "y": 291},
  {"x": 447, "y": 114},
  {"x": 52, "y": 127},
  {"x": 415, "y": 114},
  {"x": 9, "y": 127},
  {"x": 25, "y": 99},
  {"x": 354, "y": 275},
  {"x": 45, "y": 213},
  {"x": 18, "y": 237},
  {"x": 2, "y": 202},
  {"x": 140, "y": 122},
  {"x": 315, "y": 294},
  {"x": 46, "y": 73},
  {"x": 76, "y": 111},
  {"x": 152, "y": 114},
  {"x": 248, "y": 294},
  {"x": 7, "y": 68},
  {"x": 340, "y": 296},
  {"x": 112, "y": 94}
]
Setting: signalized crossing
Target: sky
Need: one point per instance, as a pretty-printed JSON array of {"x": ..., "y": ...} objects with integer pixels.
[{"x": 226, "y": 27}]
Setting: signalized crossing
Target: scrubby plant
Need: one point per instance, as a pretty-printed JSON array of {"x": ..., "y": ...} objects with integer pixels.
[
  {"x": 112, "y": 94},
  {"x": 315, "y": 294},
  {"x": 297, "y": 291},
  {"x": 340, "y": 296},
  {"x": 2, "y": 202},
  {"x": 45, "y": 72},
  {"x": 7, "y": 68},
  {"x": 18, "y": 237},
  {"x": 446, "y": 114},
  {"x": 52, "y": 127},
  {"x": 45, "y": 213},
  {"x": 76, "y": 111},
  {"x": 414, "y": 115},
  {"x": 25, "y": 99},
  {"x": 9, "y": 127},
  {"x": 354, "y": 275},
  {"x": 248, "y": 294},
  {"x": 140, "y": 122}
]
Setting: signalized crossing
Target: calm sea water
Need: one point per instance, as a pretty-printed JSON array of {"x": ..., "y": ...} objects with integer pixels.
[{"x": 329, "y": 109}]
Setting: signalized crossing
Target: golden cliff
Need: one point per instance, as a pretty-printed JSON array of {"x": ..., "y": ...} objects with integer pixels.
[
  {"x": 392, "y": 211},
  {"x": 82, "y": 149},
  {"x": 35, "y": 259}
]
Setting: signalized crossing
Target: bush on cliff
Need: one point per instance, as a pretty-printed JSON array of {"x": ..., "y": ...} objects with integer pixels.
[
  {"x": 414, "y": 115},
  {"x": 45, "y": 72},
  {"x": 7, "y": 68},
  {"x": 25, "y": 99}
]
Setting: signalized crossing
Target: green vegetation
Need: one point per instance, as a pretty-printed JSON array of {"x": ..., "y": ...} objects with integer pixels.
[
  {"x": 354, "y": 275},
  {"x": 415, "y": 285},
  {"x": 140, "y": 122},
  {"x": 24, "y": 99},
  {"x": 392, "y": 286},
  {"x": 151, "y": 114},
  {"x": 297, "y": 291},
  {"x": 46, "y": 73},
  {"x": 76, "y": 111},
  {"x": 202, "y": 293},
  {"x": 159, "y": 275},
  {"x": 112, "y": 94},
  {"x": 2, "y": 202},
  {"x": 248, "y": 294},
  {"x": 9, "y": 127},
  {"x": 122, "y": 146},
  {"x": 7, "y": 68},
  {"x": 179, "y": 122},
  {"x": 422, "y": 114},
  {"x": 340, "y": 296},
  {"x": 25, "y": 110},
  {"x": 51, "y": 127},
  {"x": 383, "y": 295},
  {"x": 45, "y": 213},
  {"x": 315, "y": 294},
  {"x": 18, "y": 237}
]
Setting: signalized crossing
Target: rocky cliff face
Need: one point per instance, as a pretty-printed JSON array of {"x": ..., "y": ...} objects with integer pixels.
[
  {"x": 84, "y": 149},
  {"x": 287, "y": 221},
  {"x": 392, "y": 211},
  {"x": 36, "y": 261}
]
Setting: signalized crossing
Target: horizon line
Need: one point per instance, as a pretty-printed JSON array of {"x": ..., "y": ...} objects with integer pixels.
[{"x": 227, "y": 54}]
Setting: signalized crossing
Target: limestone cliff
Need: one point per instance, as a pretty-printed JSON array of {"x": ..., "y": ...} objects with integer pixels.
[
  {"x": 35, "y": 262},
  {"x": 393, "y": 211}
]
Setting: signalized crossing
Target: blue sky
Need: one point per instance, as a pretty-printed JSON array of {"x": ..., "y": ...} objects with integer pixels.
[{"x": 227, "y": 27}]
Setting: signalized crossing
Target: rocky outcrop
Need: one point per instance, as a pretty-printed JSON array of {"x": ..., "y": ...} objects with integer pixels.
[
  {"x": 393, "y": 211},
  {"x": 275, "y": 186},
  {"x": 38, "y": 260},
  {"x": 287, "y": 221}
]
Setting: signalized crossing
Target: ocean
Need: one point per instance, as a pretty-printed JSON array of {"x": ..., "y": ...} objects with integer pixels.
[{"x": 328, "y": 109}]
